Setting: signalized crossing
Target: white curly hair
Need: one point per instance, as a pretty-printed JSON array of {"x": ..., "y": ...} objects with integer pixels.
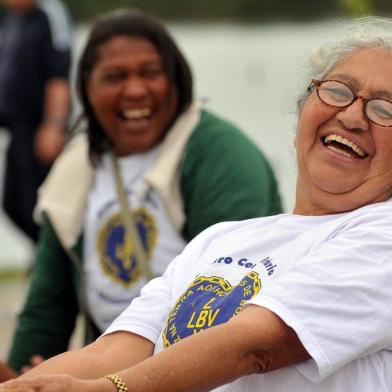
[{"x": 362, "y": 33}]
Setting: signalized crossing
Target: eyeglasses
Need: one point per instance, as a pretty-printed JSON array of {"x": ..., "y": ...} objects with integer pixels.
[{"x": 339, "y": 95}]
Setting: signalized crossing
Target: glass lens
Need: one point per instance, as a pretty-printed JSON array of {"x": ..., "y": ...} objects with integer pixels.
[
  {"x": 379, "y": 111},
  {"x": 335, "y": 93}
]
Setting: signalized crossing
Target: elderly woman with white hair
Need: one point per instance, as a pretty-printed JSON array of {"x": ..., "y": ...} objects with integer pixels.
[{"x": 294, "y": 302}]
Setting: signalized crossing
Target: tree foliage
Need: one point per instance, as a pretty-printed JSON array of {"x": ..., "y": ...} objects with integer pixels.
[
  {"x": 242, "y": 10},
  {"x": 237, "y": 10}
]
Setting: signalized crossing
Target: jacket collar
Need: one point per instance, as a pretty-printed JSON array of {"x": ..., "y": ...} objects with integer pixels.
[{"x": 63, "y": 195}]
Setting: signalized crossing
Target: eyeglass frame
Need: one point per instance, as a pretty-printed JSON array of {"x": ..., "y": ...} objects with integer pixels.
[{"x": 317, "y": 83}]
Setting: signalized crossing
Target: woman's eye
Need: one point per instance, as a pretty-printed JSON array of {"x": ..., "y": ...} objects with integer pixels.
[
  {"x": 112, "y": 77},
  {"x": 152, "y": 73},
  {"x": 339, "y": 93},
  {"x": 381, "y": 109}
]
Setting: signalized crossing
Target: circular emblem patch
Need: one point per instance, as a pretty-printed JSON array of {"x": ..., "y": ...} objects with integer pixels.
[
  {"x": 116, "y": 248},
  {"x": 208, "y": 301}
]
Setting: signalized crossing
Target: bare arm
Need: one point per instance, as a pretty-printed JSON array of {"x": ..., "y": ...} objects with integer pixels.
[
  {"x": 255, "y": 341},
  {"x": 50, "y": 137},
  {"x": 111, "y": 353}
]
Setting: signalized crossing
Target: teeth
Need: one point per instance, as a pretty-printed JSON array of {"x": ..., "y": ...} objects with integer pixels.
[
  {"x": 346, "y": 142},
  {"x": 136, "y": 114},
  {"x": 341, "y": 152}
]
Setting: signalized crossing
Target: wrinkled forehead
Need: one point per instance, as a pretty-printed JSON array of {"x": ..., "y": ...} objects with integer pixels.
[{"x": 367, "y": 69}]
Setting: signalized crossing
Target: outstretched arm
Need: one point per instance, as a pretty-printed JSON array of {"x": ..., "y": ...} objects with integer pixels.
[
  {"x": 255, "y": 341},
  {"x": 111, "y": 353}
]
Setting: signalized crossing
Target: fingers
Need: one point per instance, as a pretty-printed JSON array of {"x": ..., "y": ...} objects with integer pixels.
[
  {"x": 25, "y": 369},
  {"x": 35, "y": 360}
]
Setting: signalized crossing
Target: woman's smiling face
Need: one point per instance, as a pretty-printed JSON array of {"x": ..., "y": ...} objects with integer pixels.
[
  {"x": 131, "y": 95},
  {"x": 344, "y": 160}
]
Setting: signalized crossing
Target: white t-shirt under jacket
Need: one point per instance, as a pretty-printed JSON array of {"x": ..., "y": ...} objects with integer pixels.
[
  {"x": 327, "y": 277},
  {"x": 112, "y": 273}
]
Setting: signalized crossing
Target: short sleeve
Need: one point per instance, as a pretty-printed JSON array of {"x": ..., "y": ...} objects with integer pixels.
[
  {"x": 338, "y": 298},
  {"x": 147, "y": 313}
]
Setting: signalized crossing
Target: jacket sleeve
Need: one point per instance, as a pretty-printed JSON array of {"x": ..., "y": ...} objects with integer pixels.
[
  {"x": 224, "y": 177},
  {"x": 48, "y": 317}
]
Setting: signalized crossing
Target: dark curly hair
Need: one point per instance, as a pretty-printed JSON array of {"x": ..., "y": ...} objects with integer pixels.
[{"x": 130, "y": 23}]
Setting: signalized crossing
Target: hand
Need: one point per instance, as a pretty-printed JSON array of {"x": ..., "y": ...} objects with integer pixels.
[
  {"x": 6, "y": 373},
  {"x": 49, "y": 141},
  {"x": 53, "y": 383},
  {"x": 35, "y": 360}
]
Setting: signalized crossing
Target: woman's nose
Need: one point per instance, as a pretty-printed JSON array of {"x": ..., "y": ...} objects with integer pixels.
[
  {"x": 135, "y": 87},
  {"x": 353, "y": 116}
]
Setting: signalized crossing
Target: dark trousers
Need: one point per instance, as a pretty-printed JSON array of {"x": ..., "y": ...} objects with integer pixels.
[{"x": 24, "y": 173}]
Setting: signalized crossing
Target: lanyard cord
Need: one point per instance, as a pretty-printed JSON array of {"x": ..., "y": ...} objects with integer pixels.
[{"x": 130, "y": 222}]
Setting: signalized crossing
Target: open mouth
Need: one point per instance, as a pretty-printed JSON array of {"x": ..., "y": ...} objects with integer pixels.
[
  {"x": 343, "y": 146},
  {"x": 136, "y": 114}
]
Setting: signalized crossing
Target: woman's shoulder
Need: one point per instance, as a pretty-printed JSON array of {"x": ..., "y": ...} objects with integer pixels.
[
  {"x": 233, "y": 227},
  {"x": 213, "y": 125},
  {"x": 217, "y": 136}
]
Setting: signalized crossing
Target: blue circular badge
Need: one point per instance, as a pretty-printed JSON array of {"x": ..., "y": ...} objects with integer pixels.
[
  {"x": 116, "y": 247},
  {"x": 208, "y": 301}
]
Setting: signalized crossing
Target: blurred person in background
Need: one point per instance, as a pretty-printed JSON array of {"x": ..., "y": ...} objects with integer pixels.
[
  {"x": 182, "y": 167},
  {"x": 34, "y": 99}
]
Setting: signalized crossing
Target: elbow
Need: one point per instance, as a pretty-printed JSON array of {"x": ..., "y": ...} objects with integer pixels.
[
  {"x": 265, "y": 342},
  {"x": 260, "y": 363}
]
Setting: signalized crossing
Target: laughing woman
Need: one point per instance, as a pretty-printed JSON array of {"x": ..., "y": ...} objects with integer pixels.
[
  {"x": 294, "y": 302},
  {"x": 178, "y": 170}
]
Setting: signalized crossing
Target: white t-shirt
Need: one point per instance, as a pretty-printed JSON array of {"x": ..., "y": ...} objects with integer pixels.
[
  {"x": 112, "y": 275},
  {"x": 328, "y": 277}
]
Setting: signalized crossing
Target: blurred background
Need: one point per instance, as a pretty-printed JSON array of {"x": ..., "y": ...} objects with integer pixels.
[
  {"x": 234, "y": 10},
  {"x": 246, "y": 58}
]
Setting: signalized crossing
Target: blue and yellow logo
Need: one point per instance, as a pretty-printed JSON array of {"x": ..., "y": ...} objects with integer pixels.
[
  {"x": 116, "y": 248},
  {"x": 208, "y": 301}
]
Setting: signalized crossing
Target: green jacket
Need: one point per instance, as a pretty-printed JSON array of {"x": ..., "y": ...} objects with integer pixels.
[{"x": 222, "y": 177}]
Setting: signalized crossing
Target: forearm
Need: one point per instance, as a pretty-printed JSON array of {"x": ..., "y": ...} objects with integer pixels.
[
  {"x": 107, "y": 355},
  {"x": 51, "y": 134},
  {"x": 57, "y": 102},
  {"x": 255, "y": 341},
  {"x": 199, "y": 363},
  {"x": 219, "y": 355}
]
